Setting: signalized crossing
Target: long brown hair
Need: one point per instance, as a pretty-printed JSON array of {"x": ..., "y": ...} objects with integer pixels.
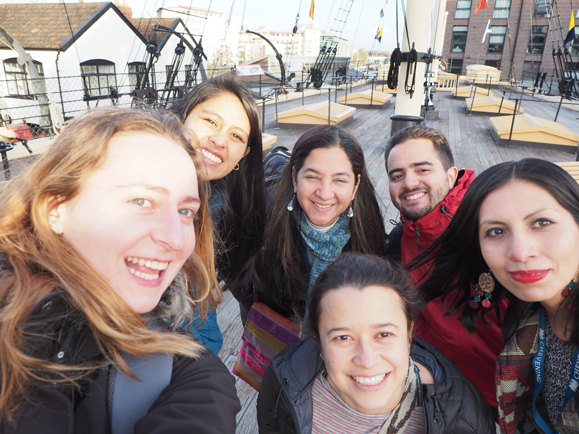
[
  {"x": 42, "y": 261},
  {"x": 282, "y": 241}
]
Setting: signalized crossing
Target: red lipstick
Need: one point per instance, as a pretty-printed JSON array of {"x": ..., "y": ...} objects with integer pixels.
[{"x": 528, "y": 276}]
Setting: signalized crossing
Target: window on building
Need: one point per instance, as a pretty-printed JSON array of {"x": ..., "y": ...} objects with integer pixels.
[
  {"x": 502, "y": 9},
  {"x": 455, "y": 66},
  {"x": 458, "y": 39},
  {"x": 574, "y": 47},
  {"x": 18, "y": 80},
  {"x": 136, "y": 74},
  {"x": 537, "y": 39},
  {"x": 98, "y": 77},
  {"x": 493, "y": 63},
  {"x": 543, "y": 8},
  {"x": 462, "y": 9},
  {"x": 497, "y": 39}
]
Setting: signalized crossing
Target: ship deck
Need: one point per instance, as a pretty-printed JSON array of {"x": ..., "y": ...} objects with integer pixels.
[{"x": 471, "y": 142}]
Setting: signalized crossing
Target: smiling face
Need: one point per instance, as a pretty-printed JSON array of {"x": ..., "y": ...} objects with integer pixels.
[
  {"x": 222, "y": 128},
  {"x": 133, "y": 219},
  {"x": 529, "y": 241},
  {"x": 325, "y": 185},
  {"x": 418, "y": 180},
  {"x": 365, "y": 342}
]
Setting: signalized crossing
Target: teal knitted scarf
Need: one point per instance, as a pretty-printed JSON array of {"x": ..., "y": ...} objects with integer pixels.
[{"x": 326, "y": 246}]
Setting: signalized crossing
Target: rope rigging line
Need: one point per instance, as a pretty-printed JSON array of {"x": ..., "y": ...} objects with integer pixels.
[{"x": 294, "y": 31}]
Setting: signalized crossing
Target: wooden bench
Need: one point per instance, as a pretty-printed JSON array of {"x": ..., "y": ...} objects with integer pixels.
[{"x": 316, "y": 114}]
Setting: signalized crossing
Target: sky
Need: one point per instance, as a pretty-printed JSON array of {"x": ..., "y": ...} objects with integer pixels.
[{"x": 360, "y": 28}]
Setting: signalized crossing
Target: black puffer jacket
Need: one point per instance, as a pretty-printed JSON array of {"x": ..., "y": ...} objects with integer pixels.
[{"x": 453, "y": 405}]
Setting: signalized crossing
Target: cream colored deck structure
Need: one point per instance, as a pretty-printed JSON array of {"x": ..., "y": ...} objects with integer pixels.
[
  {"x": 490, "y": 105},
  {"x": 367, "y": 99},
  {"x": 467, "y": 91},
  {"x": 572, "y": 168},
  {"x": 482, "y": 74},
  {"x": 534, "y": 132},
  {"x": 316, "y": 114},
  {"x": 267, "y": 140},
  {"x": 446, "y": 82}
]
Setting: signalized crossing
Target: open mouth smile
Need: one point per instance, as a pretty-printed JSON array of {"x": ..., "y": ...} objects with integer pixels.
[
  {"x": 322, "y": 207},
  {"x": 211, "y": 156},
  {"x": 369, "y": 381},
  {"x": 415, "y": 196},
  {"x": 145, "y": 268}
]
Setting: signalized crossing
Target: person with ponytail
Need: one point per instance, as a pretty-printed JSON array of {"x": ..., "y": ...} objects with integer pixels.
[{"x": 102, "y": 241}]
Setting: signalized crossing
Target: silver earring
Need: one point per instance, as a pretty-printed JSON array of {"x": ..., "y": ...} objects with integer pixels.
[
  {"x": 57, "y": 227},
  {"x": 350, "y": 211},
  {"x": 290, "y": 206}
]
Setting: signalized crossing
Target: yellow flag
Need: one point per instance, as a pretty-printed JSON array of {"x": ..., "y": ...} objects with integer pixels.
[{"x": 312, "y": 10}]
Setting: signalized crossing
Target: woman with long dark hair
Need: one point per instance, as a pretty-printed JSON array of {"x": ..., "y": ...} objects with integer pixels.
[
  {"x": 516, "y": 236},
  {"x": 224, "y": 117},
  {"x": 362, "y": 371},
  {"x": 324, "y": 204},
  {"x": 101, "y": 243}
]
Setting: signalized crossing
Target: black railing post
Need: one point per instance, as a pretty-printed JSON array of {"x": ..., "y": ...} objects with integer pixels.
[
  {"x": 513, "y": 122},
  {"x": 329, "y": 105}
]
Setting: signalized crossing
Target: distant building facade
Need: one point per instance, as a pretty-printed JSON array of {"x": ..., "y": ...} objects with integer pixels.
[{"x": 521, "y": 43}]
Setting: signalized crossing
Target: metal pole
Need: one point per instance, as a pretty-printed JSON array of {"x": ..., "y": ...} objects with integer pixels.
[
  {"x": 472, "y": 102},
  {"x": 558, "y": 108},
  {"x": 372, "y": 94},
  {"x": 329, "y": 105},
  {"x": 260, "y": 85},
  {"x": 346, "y": 90},
  {"x": 276, "y": 115},
  {"x": 263, "y": 115},
  {"x": 504, "y": 91},
  {"x": 336, "y": 94},
  {"x": 513, "y": 123},
  {"x": 303, "y": 91},
  {"x": 456, "y": 94},
  {"x": 489, "y": 89}
]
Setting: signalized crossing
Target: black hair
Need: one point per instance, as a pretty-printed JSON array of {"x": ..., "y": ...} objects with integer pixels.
[
  {"x": 242, "y": 218},
  {"x": 359, "y": 271},
  {"x": 455, "y": 260},
  {"x": 282, "y": 240},
  {"x": 437, "y": 137}
]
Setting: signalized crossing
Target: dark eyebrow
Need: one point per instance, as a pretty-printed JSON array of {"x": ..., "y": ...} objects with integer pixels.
[
  {"x": 496, "y": 222},
  {"x": 309, "y": 169},
  {"x": 375, "y": 326},
  {"x": 420, "y": 163},
  {"x": 221, "y": 118},
  {"x": 160, "y": 190}
]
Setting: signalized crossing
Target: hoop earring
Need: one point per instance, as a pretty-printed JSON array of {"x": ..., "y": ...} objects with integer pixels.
[
  {"x": 236, "y": 167},
  {"x": 350, "y": 212},
  {"x": 482, "y": 291},
  {"x": 290, "y": 206}
]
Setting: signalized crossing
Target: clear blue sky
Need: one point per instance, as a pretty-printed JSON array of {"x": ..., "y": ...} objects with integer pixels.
[{"x": 360, "y": 28}]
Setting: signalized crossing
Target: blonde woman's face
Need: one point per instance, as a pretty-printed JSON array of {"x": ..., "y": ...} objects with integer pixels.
[{"x": 133, "y": 220}]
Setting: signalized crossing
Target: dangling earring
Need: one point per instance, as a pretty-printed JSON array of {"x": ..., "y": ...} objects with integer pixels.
[
  {"x": 321, "y": 356},
  {"x": 350, "y": 211},
  {"x": 236, "y": 167},
  {"x": 290, "y": 206},
  {"x": 57, "y": 227},
  {"x": 482, "y": 291},
  {"x": 567, "y": 291}
]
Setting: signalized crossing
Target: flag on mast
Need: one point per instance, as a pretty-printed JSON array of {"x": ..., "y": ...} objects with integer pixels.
[
  {"x": 571, "y": 33},
  {"x": 383, "y": 10},
  {"x": 482, "y": 4},
  {"x": 312, "y": 10},
  {"x": 379, "y": 35},
  {"x": 488, "y": 31}
]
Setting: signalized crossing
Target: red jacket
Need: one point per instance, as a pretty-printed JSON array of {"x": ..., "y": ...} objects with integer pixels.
[{"x": 474, "y": 353}]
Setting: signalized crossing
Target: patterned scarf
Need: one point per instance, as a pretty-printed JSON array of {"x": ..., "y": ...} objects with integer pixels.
[
  {"x": 400, "y": 416},
  {"x": 326, "y": 246},
  {"x": 514, "y": 380}
]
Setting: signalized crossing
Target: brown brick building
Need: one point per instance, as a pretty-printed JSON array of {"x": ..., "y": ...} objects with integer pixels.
[{"x": 522, "y": 39}]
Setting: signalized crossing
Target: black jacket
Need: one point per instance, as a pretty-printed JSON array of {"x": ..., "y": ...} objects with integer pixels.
[
  {"x": 201, "y": 397},
  {"x": 453, "y": 405}
]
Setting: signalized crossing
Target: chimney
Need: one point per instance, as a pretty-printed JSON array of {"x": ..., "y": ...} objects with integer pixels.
[{"x": 127, "y": 12}]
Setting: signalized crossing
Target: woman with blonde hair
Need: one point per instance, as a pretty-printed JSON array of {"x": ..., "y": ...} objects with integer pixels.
[{"x": 101, "y": 243}]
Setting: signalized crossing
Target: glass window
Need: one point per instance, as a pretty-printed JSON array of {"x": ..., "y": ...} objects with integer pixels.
[
  {"x": 455, "y": 66},
  {"x": 537, "y": 39},
  {"x": 136, "y": 75},
  {"x": 502, "y": 8},
  {"x": 497, "y": 39},
  {"x": 462, "y": 9},
  {"x": 18, "y": 80},
  {"x": 493, "y": 63},
  {"x": 458, "y": 39},
  {"x": 98, "y": 77},
  {"x": 543, "y": 8},
  {"x": 574, "y": 47}
]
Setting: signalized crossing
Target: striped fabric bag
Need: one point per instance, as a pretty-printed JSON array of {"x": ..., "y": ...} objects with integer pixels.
[{"x": 266, "y": 333}]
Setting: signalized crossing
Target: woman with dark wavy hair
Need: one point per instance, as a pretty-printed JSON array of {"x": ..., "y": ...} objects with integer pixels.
[
  {"x": 324, "y": 204},
  {"x": 224, "y": 117},
  {"x": 516, "y": 236}
]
